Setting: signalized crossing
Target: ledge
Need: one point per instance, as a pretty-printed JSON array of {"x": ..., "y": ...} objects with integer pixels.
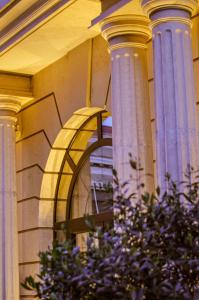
[{"x": 17, "y": 85}]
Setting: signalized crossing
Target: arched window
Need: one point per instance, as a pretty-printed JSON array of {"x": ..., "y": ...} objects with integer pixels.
[{"x": 85, "y": 192}]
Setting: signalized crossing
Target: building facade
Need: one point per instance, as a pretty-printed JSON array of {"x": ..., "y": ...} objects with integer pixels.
[{"x": 83, "y": 83}]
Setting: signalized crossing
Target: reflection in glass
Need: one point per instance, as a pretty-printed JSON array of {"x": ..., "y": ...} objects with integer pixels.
[
  {"x": 92, "y": 192},
  {"x": 90, "y": 195},
  {"x": 107, "y": 127}
]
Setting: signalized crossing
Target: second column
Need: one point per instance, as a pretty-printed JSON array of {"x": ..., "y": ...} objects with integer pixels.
[
  {"x": 127, "y": 37},
  {"x": 176, "y": 126}
]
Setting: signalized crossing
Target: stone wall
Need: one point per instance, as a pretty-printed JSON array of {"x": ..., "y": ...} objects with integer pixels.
[{"x": 59, "y": 90}]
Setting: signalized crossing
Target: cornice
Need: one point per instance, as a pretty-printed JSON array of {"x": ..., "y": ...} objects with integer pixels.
[
  {"x": 29, "y": 20},
  {"x": 125, "y": 25},
  {"x": 10, "y": 103},
  {"x": 149, "y": 6}
]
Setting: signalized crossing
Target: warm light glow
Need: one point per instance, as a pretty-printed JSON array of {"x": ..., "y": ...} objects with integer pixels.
[
  {"x": 78, "y": 140},
  {"x": 54, "y": 160},
  {"x": 48, "y": 187},
  {"x": 62, "y": 141}
]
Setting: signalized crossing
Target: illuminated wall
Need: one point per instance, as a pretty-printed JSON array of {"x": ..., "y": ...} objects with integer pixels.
[{"x": 60, "y": 90}]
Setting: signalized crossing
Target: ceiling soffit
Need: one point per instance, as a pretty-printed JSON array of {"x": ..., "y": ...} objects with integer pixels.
[
  {"x": 37, "y": 13},
  {"x": 36, "y": 33}
]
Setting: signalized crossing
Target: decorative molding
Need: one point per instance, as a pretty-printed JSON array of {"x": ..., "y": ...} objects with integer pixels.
[
  {"x": 149, "y": 6},
  {"x": 14, "y": 85},
  {"x": 127, "y": 45},
  {"x": 123, "y": 25},
  {"x": 10, "y": 103},
  {"x": 171, "y": 19},
  {"x": 5, "y": 120}
]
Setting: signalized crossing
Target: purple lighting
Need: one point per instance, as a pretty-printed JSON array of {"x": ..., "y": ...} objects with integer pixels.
[{"x": 4, "y": 2}]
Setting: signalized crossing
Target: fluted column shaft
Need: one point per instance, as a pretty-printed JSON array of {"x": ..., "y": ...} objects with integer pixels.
[
  {"x": 176, "y": 126},
  {"x": 9, "y": 271},
  {"x": 130, "y": 101}
]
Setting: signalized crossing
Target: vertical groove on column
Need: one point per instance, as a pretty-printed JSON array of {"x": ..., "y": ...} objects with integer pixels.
[
  {"x": 170, "y": 104},
  {"x": 186, "y": 98},
  {"x": 180, "y": 98},
  {"x": 121, "y": 102},
  {"x": 159, "y": 106},
  {"x": 115, "y": 106},
  {"x": 3, "y": 212},
  {"x": 191, "y": 106},
  {"x": 136, "y": 106}
]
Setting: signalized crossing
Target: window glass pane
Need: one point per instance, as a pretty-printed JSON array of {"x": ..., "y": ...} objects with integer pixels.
[
  {"x": 101, "y": 171},
  {"x": 90, "y": 195},
  {"x": 107, "y": 127}
]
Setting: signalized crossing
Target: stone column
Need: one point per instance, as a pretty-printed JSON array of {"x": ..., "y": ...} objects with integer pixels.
[
  {"x": 176, "y": 126},
  {"x": 9, "y": 271},
  {"x": 127, "y": 36}
]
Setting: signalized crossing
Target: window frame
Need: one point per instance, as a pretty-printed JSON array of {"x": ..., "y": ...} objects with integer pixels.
[{"x": 78, "y": 225}]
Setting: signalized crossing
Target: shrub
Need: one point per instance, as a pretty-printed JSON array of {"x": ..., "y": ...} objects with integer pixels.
[{"x": 151, "y": 252}]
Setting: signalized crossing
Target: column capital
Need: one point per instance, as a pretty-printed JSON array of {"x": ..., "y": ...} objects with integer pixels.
[
  {"x": 151, "y": 6},
  {"x": 10, "y": 104},
  {"x": 126, "y": 31}
]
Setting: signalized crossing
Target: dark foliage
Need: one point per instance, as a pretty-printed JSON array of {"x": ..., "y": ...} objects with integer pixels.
[{"x": 152, "y": 252}]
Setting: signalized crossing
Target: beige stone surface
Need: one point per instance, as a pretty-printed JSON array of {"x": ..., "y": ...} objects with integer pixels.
[
  {"x": 32, "y": 151},
  {"x": 100, "y": 73},
  {"x": 150, "y": 60},
  {"x": 46, "y": 211},
  {"x": 33, "y": 241},
  {"x": 29, "y": 183},
  {"x": 24, "y": 271},
  {"x": 41, "y": 116},
  {"x": 196, "y": 77},
  {"x": 28, "y": 214},
  {"x": 67, "y": 78},
  {"x": 17, "y": 85},
  {"x": 195, "y": 37},
  {"x": 151, "y": 99}
]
